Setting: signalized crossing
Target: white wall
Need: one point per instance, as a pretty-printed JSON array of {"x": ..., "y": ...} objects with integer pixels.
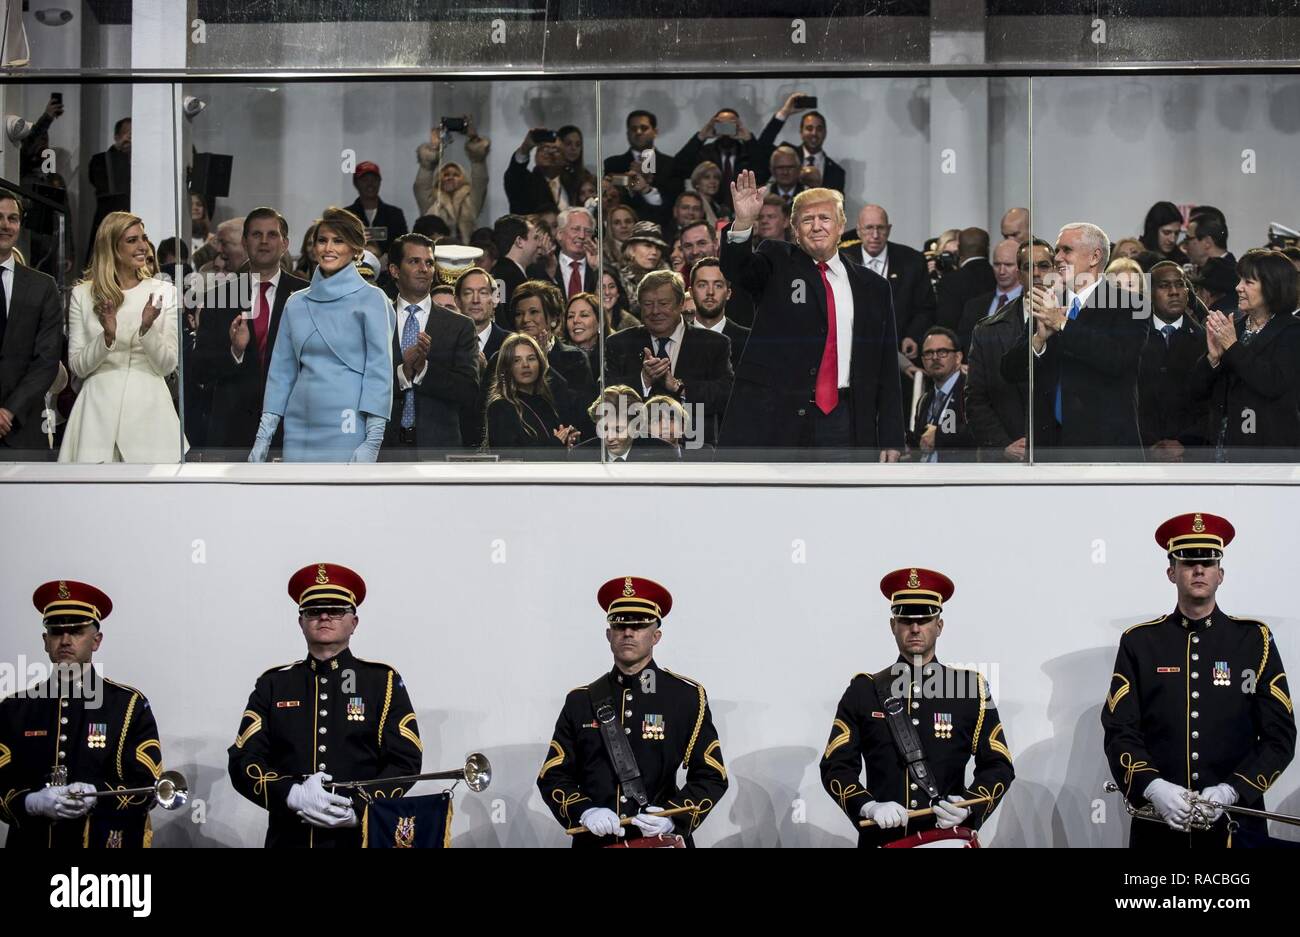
[{"x": 488, "y": 650}]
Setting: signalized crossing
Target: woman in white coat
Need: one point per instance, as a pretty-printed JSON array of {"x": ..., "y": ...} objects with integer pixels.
[{"x": 122, "y": 344}]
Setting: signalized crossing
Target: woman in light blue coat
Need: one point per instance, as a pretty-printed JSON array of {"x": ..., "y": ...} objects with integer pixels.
[{"x": 331, "y": 373}]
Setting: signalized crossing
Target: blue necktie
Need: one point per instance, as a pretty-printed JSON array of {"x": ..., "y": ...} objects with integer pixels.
[
  {"x": 1073, "y": 314},
  {"x": 410, "y": 329},
  {"x": 1168, "y": 332},
  {"x": 663, "y": 347}
]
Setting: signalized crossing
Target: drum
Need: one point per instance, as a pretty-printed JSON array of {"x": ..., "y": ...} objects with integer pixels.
[
  {"x": 956, "y": 838},
  {"x": 662, "y": 841}
]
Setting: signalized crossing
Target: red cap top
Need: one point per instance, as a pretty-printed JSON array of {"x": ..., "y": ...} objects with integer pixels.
[
  {"x": 632, "y": 595},
  {"x": 367, "y": 166},
  {"x": 915, "y": 592},
  {"x": 1195, "y": 536},
  {"x": 327, "y": 584},
  {"x": 67, "y": 598}
]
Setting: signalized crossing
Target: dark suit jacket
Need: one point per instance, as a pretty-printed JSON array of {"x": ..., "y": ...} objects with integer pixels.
[
  {"x": 972, "y": 314},
  {"x": 527, "y": 190},
  {"x": 497, "y": 336},
  {"x": 588, "y": 279},
  {"x": 666, "y": 180},
  {"x": 386, "y": 216},
  {"x": 746, "y": 155},
  {"x": 738, "y": 335},
  {"x": 703, "y": 363},
  {"x": 833, "y": 177},
  {"x": 471, "y": 416},
  {"x": 450, "y": 383},
  {"x": 959, "y": 287},
  {"x": 1255, "y": 388},
  {"x": 236, "y": 388},
  {"x": 953, "y": 441},
  {"x": 572, "y": 385},
  {"x": 1094, "y": 359},
  {"x": 508, "y": 272},
  {"x": 29, "y": 355},
  {"x": 996, "y": 407},
  {"x": 772, "y": 398},
  {"x": 909, "y": 284},
  {"x": 1166, "y": 409}
]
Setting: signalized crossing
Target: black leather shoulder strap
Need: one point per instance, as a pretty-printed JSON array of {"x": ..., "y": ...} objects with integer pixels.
[
  {"x": 904, "y": 734},
  {"x": 601, "y": 694}
]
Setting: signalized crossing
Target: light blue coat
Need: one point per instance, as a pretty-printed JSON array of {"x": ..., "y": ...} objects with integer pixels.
[{"x": 332, "y": 365}]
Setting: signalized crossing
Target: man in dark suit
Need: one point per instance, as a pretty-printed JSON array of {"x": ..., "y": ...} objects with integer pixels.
[
  {"x": 475, "y": 289},
  {"x": 996, "y": 408},
  {"x": 1170, "y": 418},
  {"x": 436, "y": 359},
  {"x": 665, "y": 356},
  {"x": 237, "y": 330},
  {"x": 784, "y": 174},
  {"x": 904, "y": 268},
  {"x": 383, "y": 222},
  {"x": 730, "y": 151},
  {"x": 518, "y": 241},
  {"x": 973, "y": 277},
  {"x": 941, "y": 432},
  {"x": 1085, "y": 349},
  {"x": 653, "y": 180},
  {"x": 712, "y": 293},
  {"x": 31, "y": 336},
  {"x": 700, "y": 240},
  {"x": 821, "y": 365},
  {"x": 812, "y": 135},
  {"x": 110, "y": 176},
  {"x": 574, "y": 231},
  {"x": 1007, "y": 289},
  {"x": 541, "y": 189}
]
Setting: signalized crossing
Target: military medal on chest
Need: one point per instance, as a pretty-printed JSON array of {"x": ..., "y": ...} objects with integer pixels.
[
  {"x": 97, "y": 735},
  {"x": 943, "y": 725},
  {"x": 652, "y": 727},
  {"x": 356, "y": 709},
  {"x": 1222, "y": 673}
]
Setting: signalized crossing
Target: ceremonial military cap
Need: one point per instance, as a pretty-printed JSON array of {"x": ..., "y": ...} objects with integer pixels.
[
  {"x": 368, "y": 266},
  {"x": 916, "y": 592},
  {"x": 67, "y": 602},
  {"x": 631, "y": 597},
  {"x": 1195, "y": 536},
  {"x": 326, "y": 584},
  {"x": 451, "y": 260}
]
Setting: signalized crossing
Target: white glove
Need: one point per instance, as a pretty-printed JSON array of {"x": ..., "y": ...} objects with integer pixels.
[
  {"x": 318, "y": 806},
  {"x": 602, "y": 821},
  {"x": 887, "y": 815},
  {"x": 650, "y": 825},
  {"x": 947, "y": 816},
  {"x": 1224, "y": 794},
  {"x": 86, "y": 804},
  {"x": 266, "y": 428},
  {"x": 54, "y": 803},
  {"x": 1171, "y": 802}
]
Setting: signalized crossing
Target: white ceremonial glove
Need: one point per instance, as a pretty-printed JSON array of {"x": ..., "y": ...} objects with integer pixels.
[
  {"x": 602, "y": 821},
  {"x": 888, "y": 815},
  {"x": 947, "y": 816},
  {"x": 1170, "y": 802},
  {"x": 53, "y": 803},
  {"x": 318, "y": 806},
  {"x": 84, "y": 804},
  {"x": 650, "y": 825},
  {"x": 1224, "y": 794}
]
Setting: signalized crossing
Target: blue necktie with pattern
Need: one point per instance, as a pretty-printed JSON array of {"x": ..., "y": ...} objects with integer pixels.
[
  {"x": 410, "y": 329},
  {"x": 1073, "y": 314}
]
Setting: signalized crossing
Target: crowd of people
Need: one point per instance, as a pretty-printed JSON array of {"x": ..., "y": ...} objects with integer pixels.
[{"x": 707, "y": 303}]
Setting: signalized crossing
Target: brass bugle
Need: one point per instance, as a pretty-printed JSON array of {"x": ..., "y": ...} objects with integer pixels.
[
  {"x": 171, "y": 791},
  {"x": 477, "y": 775},
  {"x": 1202, "y": 811}
]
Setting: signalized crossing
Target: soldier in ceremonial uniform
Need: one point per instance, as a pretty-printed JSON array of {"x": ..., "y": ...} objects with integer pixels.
[
  {"x": 76, "y": 732},
  {"x": 330, "y": 715},
  {"x": 664, "y": 719},
  {"x": 1198, "y": 702},
  {"x": 949, "y": 710}
]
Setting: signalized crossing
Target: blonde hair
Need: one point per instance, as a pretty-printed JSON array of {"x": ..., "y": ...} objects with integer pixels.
[
  {"x": 816, "y": 197},
  {"x": 105, "y": 288}
]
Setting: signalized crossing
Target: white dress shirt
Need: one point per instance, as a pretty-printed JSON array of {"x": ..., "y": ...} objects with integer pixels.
[
  {"x": 8, "y": 277},
  {"x": 482, "y": 337},
  {"x": 718, "y": 326},
  {"x": 422, "y": 317},
  {"x": 818, "y": 161},
  {"x": 879, "y": 264},
  {"x": 674, "y": 348}
]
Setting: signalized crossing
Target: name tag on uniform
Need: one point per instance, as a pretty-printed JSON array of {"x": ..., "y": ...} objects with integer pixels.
[
  {"x": 287, "y": 703},
  {"x": 1168, "y": 669},
  {"x": 877, "y": 715},
  {"x": 35, "y": 733},
  {"x": 591, "y": 725}
]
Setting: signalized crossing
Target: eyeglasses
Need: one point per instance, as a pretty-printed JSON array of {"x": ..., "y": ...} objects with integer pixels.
[
  {"x": 938, "y": 353},
  {"x": 874, "y": 228},
  {"x": 326, "y": 611}
]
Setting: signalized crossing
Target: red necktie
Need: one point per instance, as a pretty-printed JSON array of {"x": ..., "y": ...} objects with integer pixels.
[
  {"x": 575, "y": 281},
  {"x": 262, "y": 322},
  {"x": 1002, "y": 301},
  {"x": 828, "y": 374}
]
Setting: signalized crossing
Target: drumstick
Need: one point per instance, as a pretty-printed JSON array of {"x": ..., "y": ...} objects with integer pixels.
[
  {"x": 912, "y": 814},
  {"x": 627, "y": 821}
]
